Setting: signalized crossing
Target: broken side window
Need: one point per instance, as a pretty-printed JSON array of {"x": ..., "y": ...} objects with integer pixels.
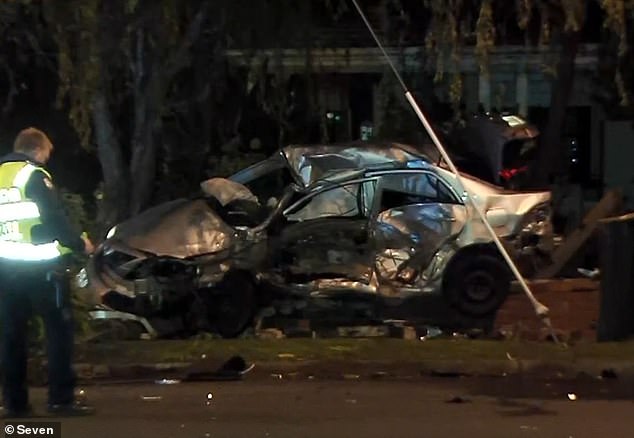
[
  {"x": 341, "y": 201},
  {"x": 401, "y": 189}
]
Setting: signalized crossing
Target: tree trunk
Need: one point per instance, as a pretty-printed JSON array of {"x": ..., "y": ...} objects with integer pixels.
[
  {"x": 114, "y": 206},
  {"x": 147, "y": 86},
  {"x": 143, "y": 162},
  {"x": 551, "y": 151}
]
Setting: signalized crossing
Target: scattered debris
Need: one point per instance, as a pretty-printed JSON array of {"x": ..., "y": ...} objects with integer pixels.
[
  {"x": 151, "y": 398},
  {"x": 458, "y": 399},
  {"x": 167, "y": 382},
  {"x": 454, "y": 374},
  {"x": 475, "y": 333},
  {"x": 277, "y": 376},
  {"x": 400, "y": 330},
  {"x": 367, "y": 331},
  {"x": 608, "y": 374},
  {"x": 432, "y": 332},
  {"x": 286, "y": 355},
  {"x": 340, "y": 348},
  {"x": 270, "y": 333},
  {"x": 208, "y": 370},
  {"x": 592, "y": 274},
  {"x": 522, "y": 409},
  {"x": 572, "y": 396}
]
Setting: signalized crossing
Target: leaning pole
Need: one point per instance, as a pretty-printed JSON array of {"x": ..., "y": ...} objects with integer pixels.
[{"x": 540, "y": 309}]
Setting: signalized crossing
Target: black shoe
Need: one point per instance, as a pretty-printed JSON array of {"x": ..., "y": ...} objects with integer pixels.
[
  {"x": 16, "y": 413},
  {"x": 71, "y": 410}
]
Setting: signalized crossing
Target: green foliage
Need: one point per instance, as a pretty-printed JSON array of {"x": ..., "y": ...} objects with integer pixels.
[
  {"x": 81, "y": 214},
  {"x": 444, "y": 42},
  {"x": 456, "y": 23},
  {"x": 485, "y": 33},
  {"x": 74, "y": 25}
]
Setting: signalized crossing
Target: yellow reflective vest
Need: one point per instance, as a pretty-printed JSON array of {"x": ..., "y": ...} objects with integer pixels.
[{"x": 18, "y": 216}]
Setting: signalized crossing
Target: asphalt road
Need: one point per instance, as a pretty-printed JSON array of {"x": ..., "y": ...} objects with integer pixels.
[{"x": 280, "y": 408}]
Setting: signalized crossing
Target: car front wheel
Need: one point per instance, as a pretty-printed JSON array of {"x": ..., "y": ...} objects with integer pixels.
[{"x": 232, "y": 309}]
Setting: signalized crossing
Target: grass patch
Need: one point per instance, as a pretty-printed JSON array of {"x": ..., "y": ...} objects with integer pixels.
[{"x": 382, "y": 349}]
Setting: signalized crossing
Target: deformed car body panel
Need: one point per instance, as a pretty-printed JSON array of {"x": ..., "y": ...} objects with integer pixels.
[
  {"x": 368, "y": 218},
  {"x": 182, "y": 229},
  {"x": 227, "y": 191}
]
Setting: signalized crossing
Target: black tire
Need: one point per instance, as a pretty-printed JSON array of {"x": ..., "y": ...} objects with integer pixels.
[
  {"x": 233, "y": 306},
  {"x": 477, "y": 285}
]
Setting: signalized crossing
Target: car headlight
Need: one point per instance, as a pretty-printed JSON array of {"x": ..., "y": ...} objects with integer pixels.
[{"x": 111, "y": 232}]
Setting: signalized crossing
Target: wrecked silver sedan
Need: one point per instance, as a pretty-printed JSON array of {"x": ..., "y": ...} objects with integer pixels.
[{"x": 377, "y": 220}]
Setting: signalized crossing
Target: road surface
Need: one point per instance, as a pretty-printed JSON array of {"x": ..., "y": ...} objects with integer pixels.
[{"x": 279, "y": 408}]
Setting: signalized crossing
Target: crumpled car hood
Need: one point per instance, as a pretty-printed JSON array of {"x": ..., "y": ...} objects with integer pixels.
[{"x": 182, "y": 228}]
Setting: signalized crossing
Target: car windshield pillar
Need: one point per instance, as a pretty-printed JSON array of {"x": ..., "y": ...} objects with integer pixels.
[{"x": 287, "y": 197}]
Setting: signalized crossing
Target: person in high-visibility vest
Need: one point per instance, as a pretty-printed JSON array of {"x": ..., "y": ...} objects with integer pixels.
[{"x": 35, "y": 237}]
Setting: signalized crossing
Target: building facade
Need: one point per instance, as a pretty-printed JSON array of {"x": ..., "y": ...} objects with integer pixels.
[{"x": 519, "y": 80}]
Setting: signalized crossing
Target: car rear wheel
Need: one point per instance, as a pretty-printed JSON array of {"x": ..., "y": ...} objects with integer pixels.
[
  {"x": 477, "y": 285},
  {"x": 233, "y": 307}
]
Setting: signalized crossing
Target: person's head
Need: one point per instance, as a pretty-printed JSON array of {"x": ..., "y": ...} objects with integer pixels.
[{"x": 34, "y": 144}]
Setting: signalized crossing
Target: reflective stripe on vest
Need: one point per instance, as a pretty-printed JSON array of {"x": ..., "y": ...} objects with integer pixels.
[
  {"x": 18, "y": 216},
  {"x": 28, "y": 251}
]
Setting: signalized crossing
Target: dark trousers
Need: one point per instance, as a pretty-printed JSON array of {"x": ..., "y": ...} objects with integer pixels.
[{"x": 25, "y": 291}]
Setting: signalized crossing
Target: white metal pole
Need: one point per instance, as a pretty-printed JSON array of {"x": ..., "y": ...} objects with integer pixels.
[{"x": 540, "y": 309}]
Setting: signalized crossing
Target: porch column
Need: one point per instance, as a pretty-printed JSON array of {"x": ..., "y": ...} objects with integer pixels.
[
  {"x": 484, "y": 91},
  {"x": 521, "y": 83}
]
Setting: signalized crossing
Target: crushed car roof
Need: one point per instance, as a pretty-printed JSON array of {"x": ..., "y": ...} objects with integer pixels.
[{"x": 311, "y": 163}]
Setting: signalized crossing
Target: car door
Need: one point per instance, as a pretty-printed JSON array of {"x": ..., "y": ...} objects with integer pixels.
[
  {"x": 414, "y": 215},
  {"x": 326, "y": 235}
]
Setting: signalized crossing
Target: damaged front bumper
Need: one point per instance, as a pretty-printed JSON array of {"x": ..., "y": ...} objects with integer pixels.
[{"x": 135, "y": 277}]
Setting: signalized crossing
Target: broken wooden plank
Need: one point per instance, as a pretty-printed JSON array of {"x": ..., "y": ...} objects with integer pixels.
[{"x": 609, "y": 205}]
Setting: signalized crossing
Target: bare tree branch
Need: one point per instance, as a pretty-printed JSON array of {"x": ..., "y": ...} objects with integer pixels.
[{"x": 181, "y": 56}]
